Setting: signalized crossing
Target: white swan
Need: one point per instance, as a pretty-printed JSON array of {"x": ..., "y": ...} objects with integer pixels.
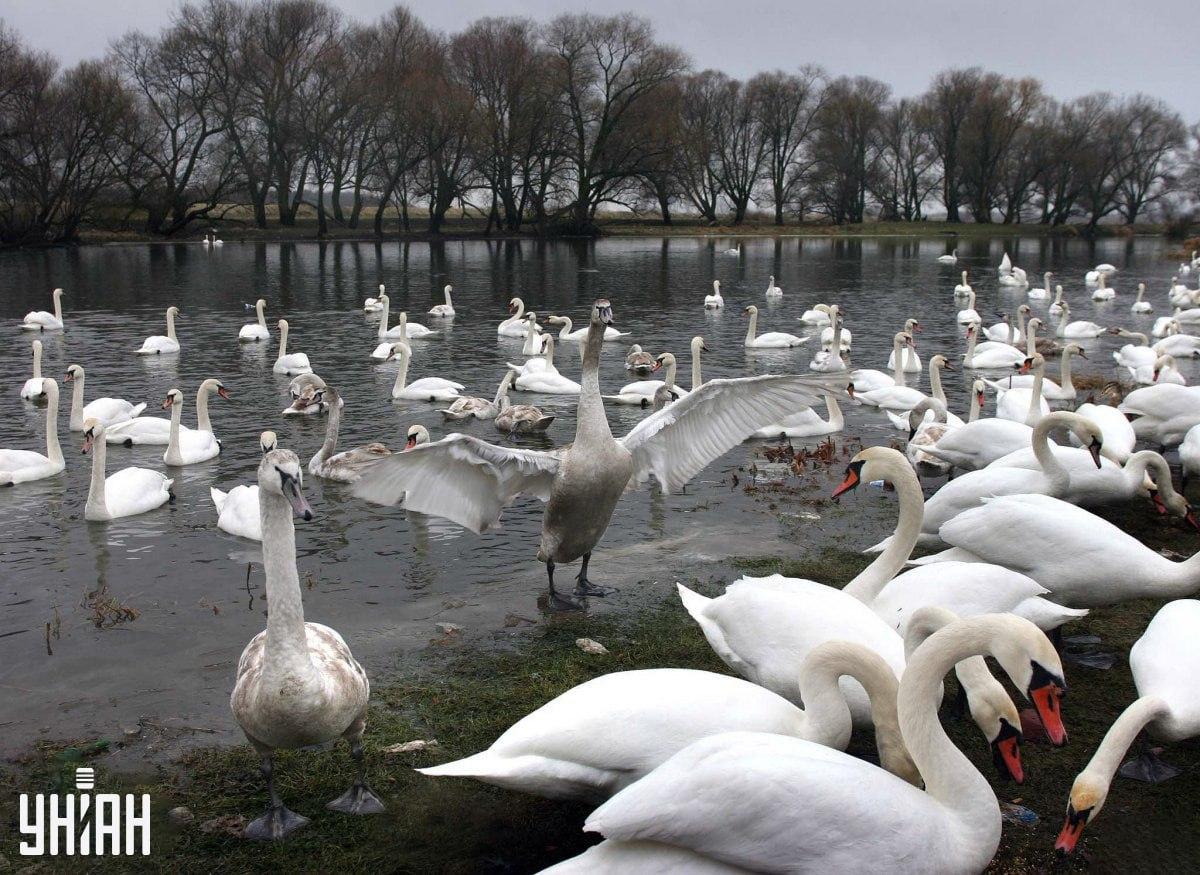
[
  {"x": 289, "y": 364},
  {"x": 1178, "y": 345},
  {"x": 952, "y": 258},
  {"x": 1165, "y": 665},
  {"x": 424, "y": 389},
  {"x": 1143, "y": 474},
  {"x": 40, "y": 320},
  {"x": 847, "y": 338},
  {"x": 1139, "y": 305},
  {"x": 23, "y": 466},
  {"x": 770, "y": 339},
  {"x": 830, "y": 360},
  {"x": 159, "y": 344},
  {"x": 402, "y": 330},
  {"x": 1119, "y": 436},
  {"x": 912, "y": 361},
  {"x": 818, "y": 315},
  {"x": 156, "y": 431},
  {"x": 1024, "y": 405},
  {"x": 1044, "y": 538},
  {"x": 1078, "y": 330},
  {"x": 902, "y": 398},
  {"x": 968, "y": 314},
  {"x": 1016, "y": 278},
  {"x": 237, "y": 509},
  {"x": 1164, "y": 411},
  {"x": 566, "y": 332},
  {"x": 1052, "y": 391},
  {"x": 1044, "y": 292},
  {"x": 106, "y": 411},
  {"x": 447, "y": 309},
  {"x": 641, "y": 392},
  {"x": 1189, "y": 456},
  {"x": 374, "y": 305},
  {"x": 773, "y": 291},
  {"x": 128, "y": 492},
  {"x": 808, "y": 423},
  {"x": 639, "y": 719},
  {"x": 32, "y": 388},
  {"x": 542, "y": 346},
  {"x": 1164, "y": 371},
  {"x": 734, "y": 250},
  {"x": 514, "y": 325},
  {"x": 976, "y": 445},
  {"x": 1007, "y": 333},
  {"x": 297, "y": 683},
  {"x": 533, "y": 338},
  {"x": 348, "y": 465},
  {"x": 1005, "y": 266},
  {"x": 184, "y": 446},
  {"x": 997, "y": 357},
  {"x": 1102, "y": 291},
  {"x": 1134, "y": 355},
  {"x": 869, "y": 379},
  {"x": 256, "y": 331},
  {"x": 714, "y": 301},
  {"x": 1057, "y": 304},
  {"x": 964, "y": 288},
  {"x": 804, "y": 807}
]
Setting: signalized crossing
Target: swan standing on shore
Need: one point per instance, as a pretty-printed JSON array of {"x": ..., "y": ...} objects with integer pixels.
[
  {"x": 159, "y": 344},
  {"x": 23, "y": 466},
  {"x": 289, "y": 364},
  {"x": 254, "y": 332},
  {"x": 40, "y": 320},
  {"x": 470, "y": 481},
  {"x": 297, "y": 683},
  {"x": 32, "y": 388},
  {"x": 106, "y": 411},
  {"x": 128, "y": 492}
]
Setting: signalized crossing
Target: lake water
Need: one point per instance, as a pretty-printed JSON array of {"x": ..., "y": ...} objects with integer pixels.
[{"x": 383, "y": 580}]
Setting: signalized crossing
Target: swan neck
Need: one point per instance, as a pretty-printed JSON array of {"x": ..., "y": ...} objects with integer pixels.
[
  {"x": 77, "y": 402},
  {"x": 670, "y": 378},
  {"x": 383, "y": 317},
  {"x": 283, "y": 333},
  {"x": 331, "y": 432},
  {"x": 752, "y": 328},
  {"x": 935, "y": 384},
  {"x": 973, "y": 412},
  {"x": 834, "y": 409},
  {"x": 969, "y": 358},
  {"x": 872, "y": 579},
  {"x": 57, "y": 305},
  {"x": 37, "y": 361},
  {"x": 1035, "y": 396},
  {"x": 1120, "y": 737},
  {"x": 96, "y": 496},
  {"x": 565, "y": 331},
  {"x": 53, "y": 449},
  {"x": 899, "y": 361},
  {"x": 591, "y": 423},
  {"x": 1064, "y": 374},
  {"x": 286, "y": 648},
  {"x": 262, "y": 317},
  {"x": 401, "y": 375},
  {"x": 697, "y": 379},
  {"x": 173, "y": 439},
  {"x": 202, "y": 421},
  {"x": 171, "y": 324},
  {"x": 1047, "y": 460}
]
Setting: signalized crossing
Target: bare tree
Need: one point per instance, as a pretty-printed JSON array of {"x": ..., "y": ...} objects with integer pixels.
[
  {"x": 947, "y": 105},
  {"x": 846, "y": 158},
  {"x": 788, "y": 107},
  {"x": 741, "y": 147},
  {"x": 1153, "y": 133},
  {"x": 697, "y": 159}
]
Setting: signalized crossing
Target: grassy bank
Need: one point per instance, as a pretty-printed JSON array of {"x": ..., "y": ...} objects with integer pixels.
[{"x": 466, "y": 700}]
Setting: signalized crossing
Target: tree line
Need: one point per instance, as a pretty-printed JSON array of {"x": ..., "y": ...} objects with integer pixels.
[{"x": 263, "y": 106}]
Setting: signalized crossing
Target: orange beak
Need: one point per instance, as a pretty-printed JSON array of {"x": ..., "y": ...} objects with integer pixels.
[
  {"x": 168, "y": 402},
  {"x": 1046, "y": 701},
  {"x": 410, "y": 443},
  {"x": 1072, "y": 829},
  {"x": 223, "y": 392},
  {"x": 1008, "y": 757},
  {"x": 852, "y": 479},
  {"x": 1158, "y": 502}
]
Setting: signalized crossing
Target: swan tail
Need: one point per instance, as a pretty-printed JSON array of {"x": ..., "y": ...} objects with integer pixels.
[
  {"x": 137, "y": 410},
  {"x": 954, "y": 554},
  {"x": 218, "y": 497},
  {"x": 543, "y": 423},
  {"x": 880, "y": 547},
  {"x": 697, "y": 605},
  {"x": 1045, "y": 614},
  {"x": 529, "y": 773}
]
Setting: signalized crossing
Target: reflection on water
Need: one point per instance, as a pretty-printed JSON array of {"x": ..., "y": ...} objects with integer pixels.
[{"x": 368, "y": 571}]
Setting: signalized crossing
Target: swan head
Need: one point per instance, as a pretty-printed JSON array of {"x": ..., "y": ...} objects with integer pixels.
[
  {"x": 555, "y": 320},
  {"x": 381, "y": 289},
  {"x": 1088, "y": 794},
  {"x": 698, "y": 344},
  {"x": 515, "y": 304},
  {"x": 212, "y": 385},
  {"x": 417, "y": 435},
  {"x": 717, "y": 286},
  {"x": 750, "y": 311},
  {"x": 268, "y": 441},
  {"x": 1033, "y": 325},
  {"x": 912, "y": 326},
  {"x": 1025, "y": 308},
  {"x": 282, "y": 325},
  {"x": 940, "y": 361},
  {"x": 663, "y": 396},
  {"x": 873, "y": 463},
  {"x": 74, "y": 372},
  {"x": 93, "y": 431},
  {"x": 602, "y": 311},
  {"x": 994, "y": 712},
  {"x": 665, "y": 359},
  {"x": 979, "y": 387},
  {"x": 1031, "y": 363},
  {"x": 279, "y": 473},
  {"x": 261, "y": 302},
  {"x": 1030, "y": 660},
  {"x": 1074, "y": 349},
  {"x": 172, "y": 310},
  {"x": 173, "y": 397},
  {"x": 400, "y": 351}
]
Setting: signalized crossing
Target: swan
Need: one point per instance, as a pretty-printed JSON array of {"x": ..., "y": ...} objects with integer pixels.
[
  {"x": 1005, "y": 332},
  {"x": 514, "y": 325},
  {"x": 734, "y": 250},
  {"x": 1044, "y": 292},
  {"x": 898, "y": 406},
  {"x": 808, "y": 423},
  {"x": 1178, "y": 345},
  {"x": 402, "y": 330},
  {"x": 773, "y": 291},
  {"x": 159, "y": 344},
  {"x": 968, "y": 315},
  {"x": 424, "y": 389},
  {"x": 1165, "y": 325},
  {"x": 534, "y": 340},
  {"x": 714, "y": 301},
  {"x": 292, "y": 364},
  {"x": 32, "y": 388},
  {"x": 1044, "y": 537},
  {"x": 964, "y": 288},
  {"x": 977, "y": 444},
  {"x": 544, "y": 360},
  {"x": 642, "y": 718},
  {"x": 1057, "y": 304},
  {"x": 928, "y": 423},
  {"x": 1134, "y": 355},
  {"x": 184, "y": 446},
  {"x": 1102, "y": 291},
  {"x": 1165, "y": 371},
  {"x": 638, "y": 361},
  {"x": 966, "y": 589},
  {"x": 1000, "y": 356},
  {"x": 1119, "y": 436},
  {"x": 256, "y": 331},
  {"x": 1189, "y": 456},
  {"x": 546, "y": 379},
  {"x": 1051, "y": 391},
  {"x": 770, "y": 339},
  {"x": 1140, "y": 306},
  {"x": 470, "y": 481},
  {"x": 237, "y": 509},
  {"x": 521, "y": 419},
  {"x": 348, "y": 465},
  {"x": 641, "y": 392},
  {"x": 128, "y": 492},
  {"x": 847, "y": 338},
  {"x": 297, "y": 683},
  {"x": 1164, "y": 412},
  {"x": 1164, "y": 664},
  {"x": 1078, "y": 330},
  {"x": 465, "y": 407},
  {"x": 698, "y": 347},
  {"x": 830, "y": 360},
  {"x": 40, "y": 320},
  {"x": 106, "y": 411},
  {"x": 444, "y": 310},
  {"x": 156, "y": 431},
  {"x": 869, "y": 379},
  {"x": 23, "y": 466},
  {"x": 1024, "y": 405},
  {"x": 1143, "y": 473},
  {"x": 1016, "y": 278},
  {"x": 566, "y": 332},
  {"x": 952, "y": 258},
  {"x": 374, "y": 305},
  {"x": 818, "y": 315},
  {"x": 912, "y": 361},
  {"x": 1005, "y": 267},
  {"x": 304, "y": 390},
  {"x": 801, "y": 806},
  {"x": 1051, "y": 477}
]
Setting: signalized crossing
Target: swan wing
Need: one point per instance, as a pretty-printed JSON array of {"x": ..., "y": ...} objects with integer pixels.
[
  {"x": 677, "y": 442},
  {"x": 461, "y": 478}
]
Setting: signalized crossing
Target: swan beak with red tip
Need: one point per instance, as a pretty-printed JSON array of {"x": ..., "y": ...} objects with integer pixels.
[
  {"x": 168, "y": 401},
  {"x": 853, "y": 478},
  {"x": 1006, "y": 752},
  {"x": 980, "y": 398},
  {"x": 69, "y": 376},
  {"x": 512, "y": 308},
  {"x": 1046, "y": 691},
  {"x": 917, "y": 328},
  {"x": 89, "y": 438},
  {"x": 850, "y": 390},
  {"x": 410, "y": 443},
  {"x": 1025, "y": 366},
  {"x": 224, "y": 393},
  {"x": 1158, "y": 502},
  {"x": 657, "y": 366},
  {"x": 1094, "y": 448},
  {"x": 1072, "y": 829},
  {"x": 1190, "y": 516}
]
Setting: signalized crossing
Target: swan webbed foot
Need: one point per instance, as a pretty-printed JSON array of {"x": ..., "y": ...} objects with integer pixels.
[
  {"x": 586, "y": 589},
  {"x": 359, "y": 799},
  {"x": 1148, "y": 767},
  {"x": 277, "y": 822}
]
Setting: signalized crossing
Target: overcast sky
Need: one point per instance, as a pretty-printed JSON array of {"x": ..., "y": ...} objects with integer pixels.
[{"x": 1073, "y": 47}]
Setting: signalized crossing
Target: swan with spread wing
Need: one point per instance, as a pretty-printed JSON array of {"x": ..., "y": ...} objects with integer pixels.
[{"x": 470, "y": 481}]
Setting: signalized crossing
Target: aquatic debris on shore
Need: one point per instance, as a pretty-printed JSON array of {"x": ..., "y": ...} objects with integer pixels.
[
  {"x": 410, "y": 746},
  {"x": 587, "y": 645}
]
